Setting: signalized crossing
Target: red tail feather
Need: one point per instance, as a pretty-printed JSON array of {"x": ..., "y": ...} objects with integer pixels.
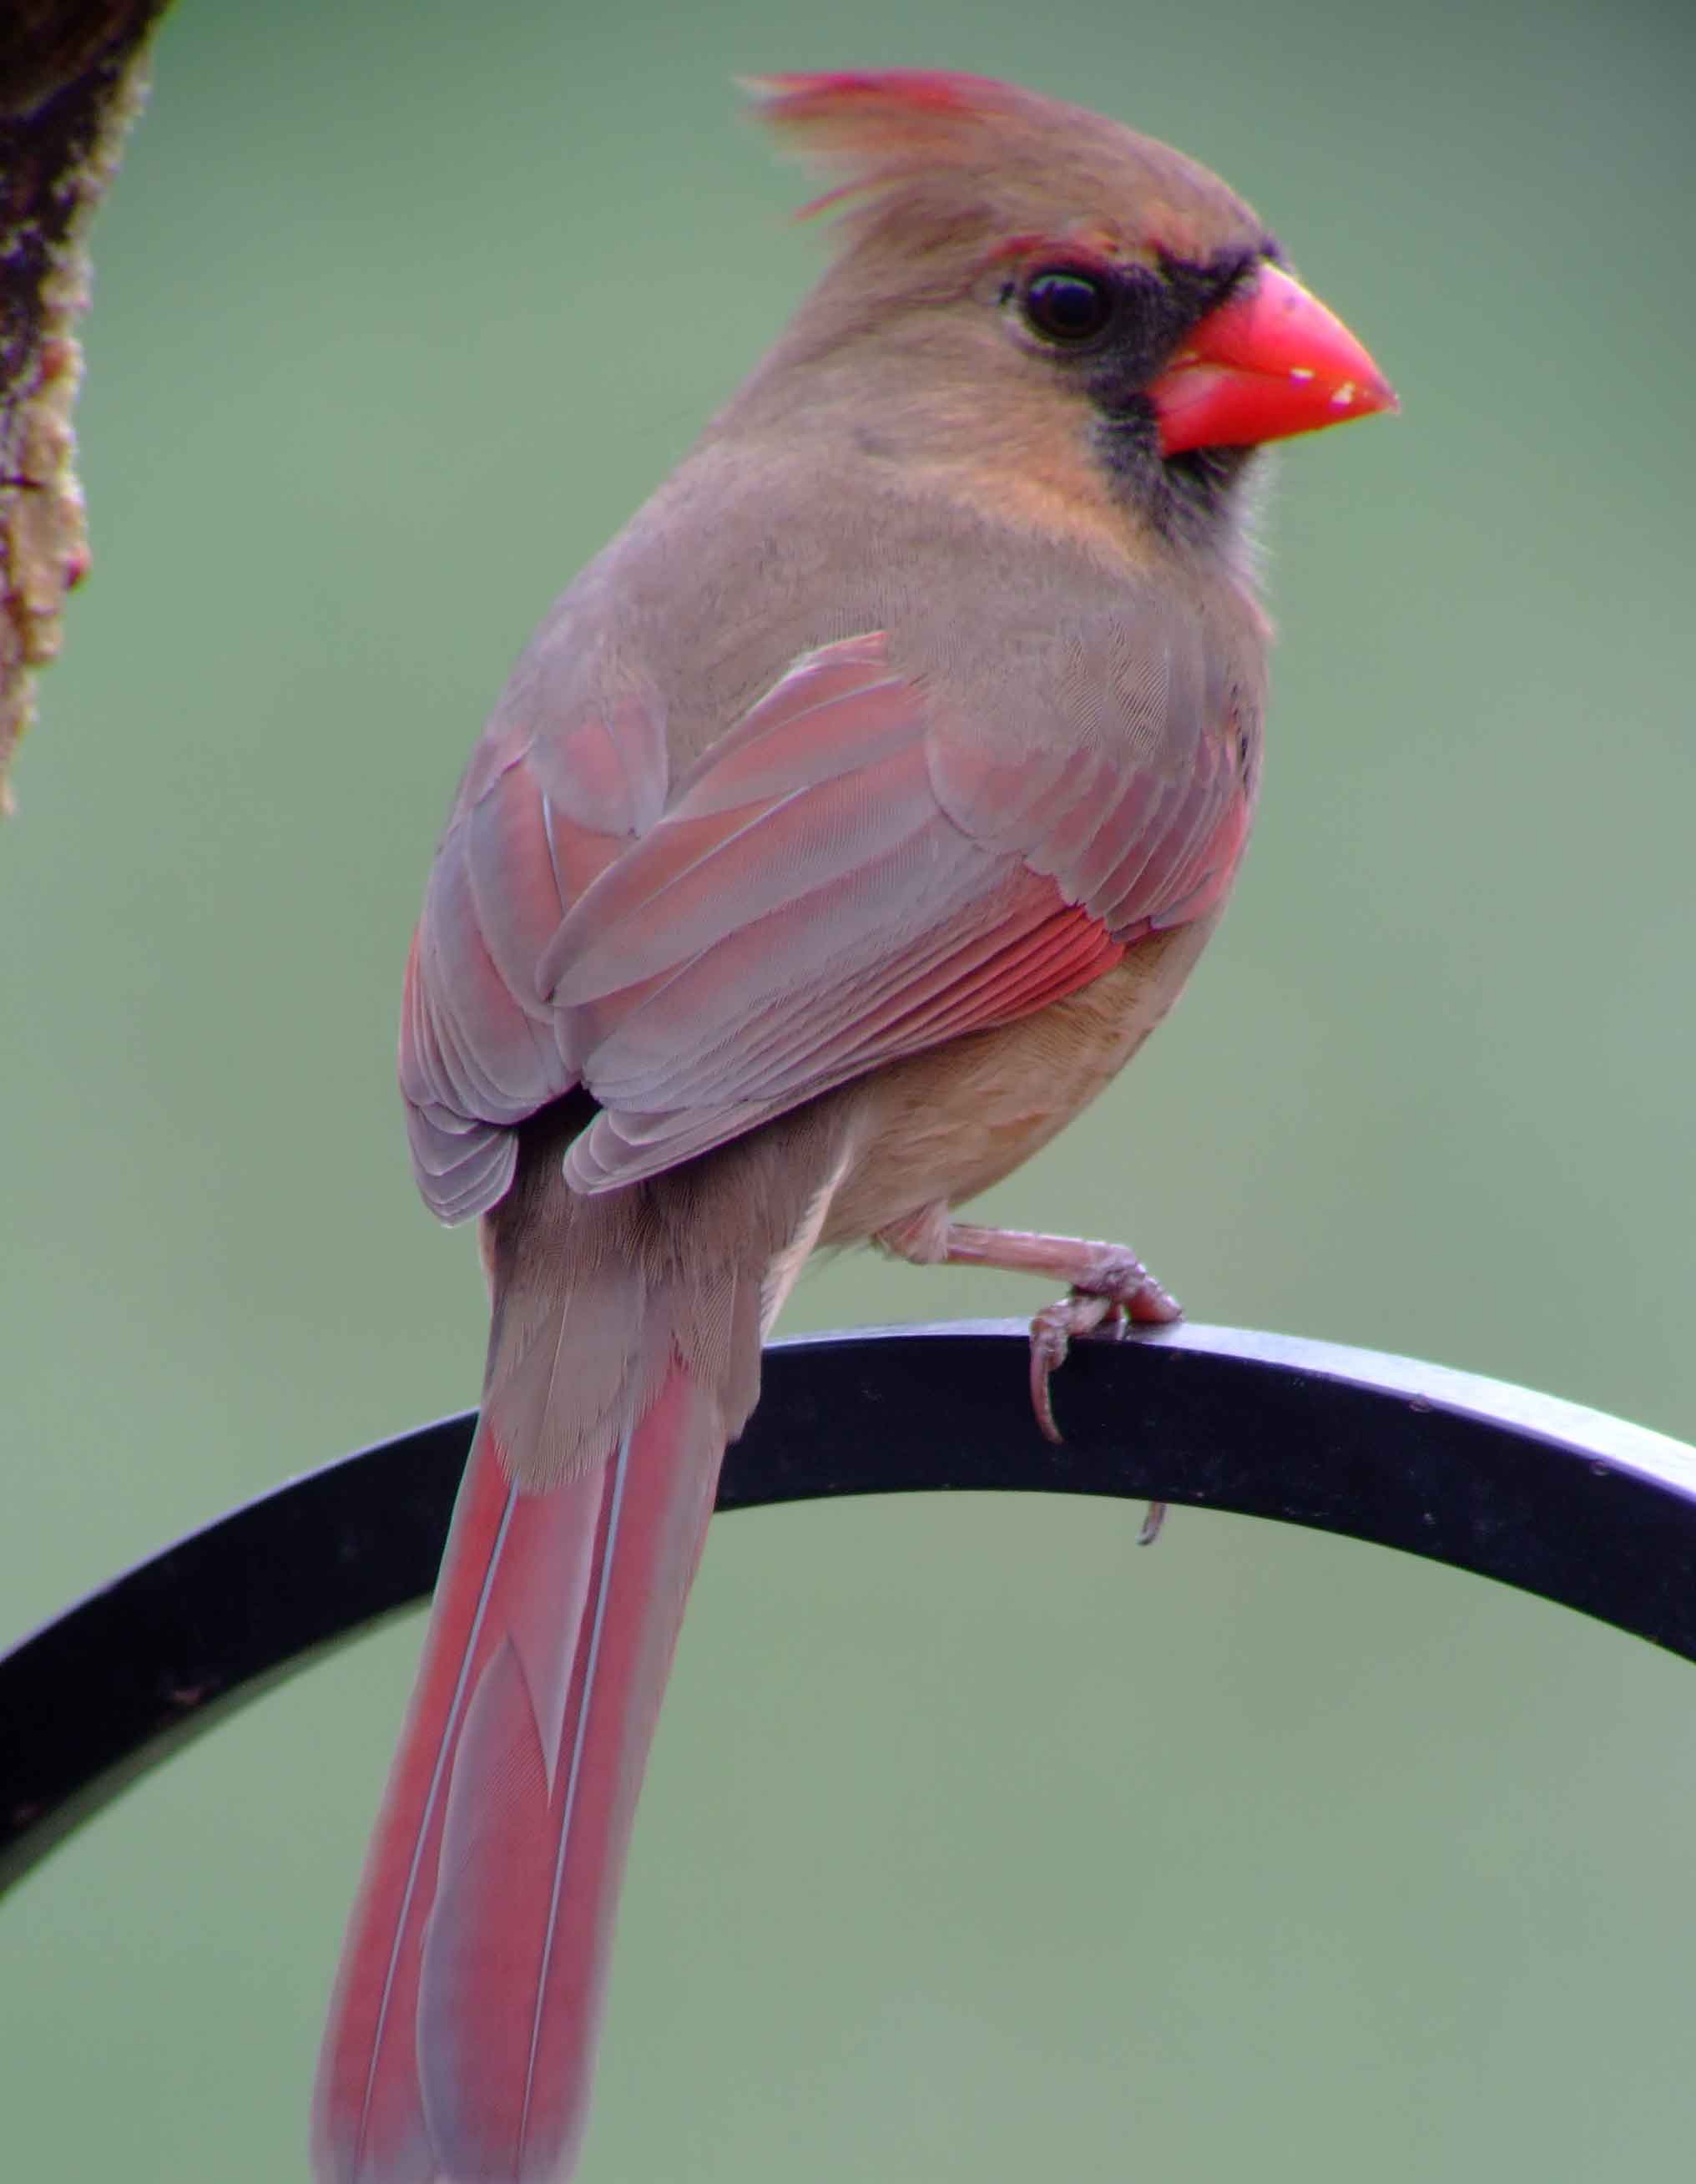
[{"x": 463, "y": 2031}]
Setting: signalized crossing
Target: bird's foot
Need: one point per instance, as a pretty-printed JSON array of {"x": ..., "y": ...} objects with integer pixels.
[
  {"x": 1113, "y": 1286},
  {"x": 1108, "y": 1283}
]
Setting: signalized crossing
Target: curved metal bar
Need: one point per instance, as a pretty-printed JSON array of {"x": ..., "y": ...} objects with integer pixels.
[{"x": 1566, "y": 1502}]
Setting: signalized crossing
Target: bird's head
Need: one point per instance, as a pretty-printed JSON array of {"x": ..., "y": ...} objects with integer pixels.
[{"x": 1053, "y": 274}]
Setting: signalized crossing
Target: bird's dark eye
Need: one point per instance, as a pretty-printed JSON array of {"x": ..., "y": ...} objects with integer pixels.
[{"x": 1067, "y": 303}]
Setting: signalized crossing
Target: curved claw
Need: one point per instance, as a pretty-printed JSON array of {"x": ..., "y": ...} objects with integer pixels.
[
  {"x": 1127, "y": 1292},
  {"x": 1078, "y": 1312}
]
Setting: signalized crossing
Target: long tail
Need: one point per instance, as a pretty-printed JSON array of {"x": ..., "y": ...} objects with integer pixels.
[{"x": 462, "y": 2033}]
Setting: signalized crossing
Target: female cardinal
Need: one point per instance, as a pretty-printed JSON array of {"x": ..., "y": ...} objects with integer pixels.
[{"x": 852, "y": 819}]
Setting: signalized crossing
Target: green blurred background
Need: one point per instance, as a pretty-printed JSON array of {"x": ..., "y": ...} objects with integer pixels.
[{"x": 975, "y": 1844}]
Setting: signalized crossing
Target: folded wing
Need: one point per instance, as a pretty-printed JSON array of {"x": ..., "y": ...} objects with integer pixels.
[{"x": 850, "y": 874}]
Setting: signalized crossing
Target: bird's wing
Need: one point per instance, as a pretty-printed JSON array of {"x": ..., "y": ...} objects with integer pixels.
[
  {"x": 538, "y": 818},
  {"x": 852, "y": 873}
]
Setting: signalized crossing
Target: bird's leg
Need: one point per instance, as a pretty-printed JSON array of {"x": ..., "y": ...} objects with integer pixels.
[{"x": 1106, "y": 1282}]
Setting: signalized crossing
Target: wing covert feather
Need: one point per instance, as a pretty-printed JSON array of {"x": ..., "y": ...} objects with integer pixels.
[{"x": 850, "y": 874}]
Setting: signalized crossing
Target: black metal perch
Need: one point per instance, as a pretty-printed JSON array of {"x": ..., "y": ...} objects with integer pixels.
[{"x": 1567, "y": 1502}]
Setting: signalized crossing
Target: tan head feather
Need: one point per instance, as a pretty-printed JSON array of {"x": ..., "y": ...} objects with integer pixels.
[{"x": 927, "y": 156}]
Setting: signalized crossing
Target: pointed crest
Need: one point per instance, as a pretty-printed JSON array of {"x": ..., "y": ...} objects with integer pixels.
[
  {"x": 884, "y": 126},
  {"x": 934, "y": 150}
]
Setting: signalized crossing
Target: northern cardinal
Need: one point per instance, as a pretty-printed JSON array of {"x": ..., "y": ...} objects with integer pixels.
[{"x": 851, "y": 820}]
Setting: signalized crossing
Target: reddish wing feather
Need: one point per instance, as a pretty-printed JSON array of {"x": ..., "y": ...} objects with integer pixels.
[
  {"x": 847, "y": 877},
  {"x": 808, "y": 909},
  {"x": 538, "y": 820}
]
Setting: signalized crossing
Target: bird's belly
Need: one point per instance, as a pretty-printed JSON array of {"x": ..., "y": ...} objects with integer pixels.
[{"x": 942, "y": 1126}]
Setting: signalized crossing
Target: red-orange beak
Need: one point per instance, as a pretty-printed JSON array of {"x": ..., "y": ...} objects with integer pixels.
[{"x": 1271, "y": 362}]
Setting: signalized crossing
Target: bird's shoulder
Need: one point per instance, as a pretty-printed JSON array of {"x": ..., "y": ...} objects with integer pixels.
[{"x": 748, "y": 559}]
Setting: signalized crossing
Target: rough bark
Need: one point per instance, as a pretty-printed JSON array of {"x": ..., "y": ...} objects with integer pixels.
[{"x": 72, "y": 78}]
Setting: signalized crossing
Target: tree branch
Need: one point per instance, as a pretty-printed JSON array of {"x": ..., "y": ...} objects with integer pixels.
[{"x": 72, "y": 78}]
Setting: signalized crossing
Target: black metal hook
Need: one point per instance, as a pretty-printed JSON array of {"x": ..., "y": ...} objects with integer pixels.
[{"x": 1560, "y": 1501}]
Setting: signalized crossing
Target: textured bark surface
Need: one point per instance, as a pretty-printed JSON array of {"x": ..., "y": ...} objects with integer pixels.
[{"x": 72, "y": 75}]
